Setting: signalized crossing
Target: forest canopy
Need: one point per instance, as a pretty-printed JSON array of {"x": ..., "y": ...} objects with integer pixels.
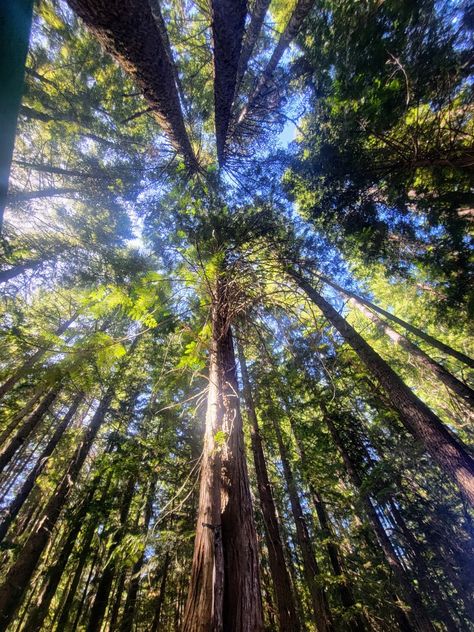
[{"x": 236, "y": 369}]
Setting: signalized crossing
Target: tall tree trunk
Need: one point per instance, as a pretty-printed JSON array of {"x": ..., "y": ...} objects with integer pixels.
[
  {"x": 32, "y": 360},
  {"x": 422, "y": 359},
  {"x": 15, "y": 26},
  {"x": 288, "y": 619},
  {"x": 258, "y": 13},
  {"x": 445, "y": 449},
  {"x": 130, "y": 602},
  {"x": 127, "y": 30},
  {"x": 20, "y": 573},
  {"x": 155, "y": 624},
  {"x": 27, "y": 427},
  {"x": 433, "y": 342},
  {"x": 114, "y": 613},
  {"x": 104, "y": 586},
  {"x": 28, "y": 484},
  {"x": 224, "y": 589},
  {"x": 228, "y": 23},
  {"x": 412, "y": 597},
  {"x": 321, "y": 611}
]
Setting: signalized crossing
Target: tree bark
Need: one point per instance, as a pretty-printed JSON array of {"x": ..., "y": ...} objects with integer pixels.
[
  {"x": 155, "y": 624},
  {"x": 28, "y": 484},
  {"x": 445, "y": 449},
  {"x": 228, "y": 23},
  {"x": 437, "y": 344},
  {"x": 288, "y": 619},
  {"x": 413, "y": 599},
  {"x": 224, "y": 589},
  {"x": 258, "y": 13},
  {"x": 15, "y": 26},
  {"x": 321, "y": 611},
  {"x": 19, "y": 575},
  {"x": 27, "y": 427},
  {"x": 127, "y": 30},
  {"x": 422, "y": 359}
]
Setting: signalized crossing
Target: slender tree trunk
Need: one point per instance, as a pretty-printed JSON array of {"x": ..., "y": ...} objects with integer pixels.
[
  {"x": 422, "y": 359},
  {"x": 104, "y": 587},
  {"x": 155, "y": 625},
  {"x": 258, "y": 13},
  {"x": 224, "y": 589},
  {"x": 127, "y": 31},
  {"x": 437, "y": 344},
  {"x": 20, "y": 573},
  {"x": 15, "y": 26},
  {"x": 112, "y": 623},
  {"x": 21, "y": 496},
  {"x": 32, "y": 360},
  {"x": 288, "y": 619},
  {"x": 321, "y": 611},
  {"x": 413, "y": 599},
  {"x": 445, "y": 449},
  {"x": 27, "y": 427},
  {"x": 132, "y": 592}
]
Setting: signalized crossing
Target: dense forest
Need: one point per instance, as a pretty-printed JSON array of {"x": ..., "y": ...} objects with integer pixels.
[{"x": 235, "y": 362}]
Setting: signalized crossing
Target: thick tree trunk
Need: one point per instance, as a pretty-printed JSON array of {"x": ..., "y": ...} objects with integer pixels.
[
  {"x": 288, "y": 619},
  {"x": 126, "y": 623},
  {"x": 32, "y": 360},
  {"x": 15, "y": 26},
  {"x": 27, "y": 427},
  {"x": 433, "y": 342},
  {"x": 104, "y": 586},
  {"x": 422, "y": 359},
  {"x": 321, "y": 611},
  {"x": 19, "y": 575},
  {"x": 224, "y": 589},
  {"x": 28, "y": 484},
  {"x": 228, "y": 23},
  {"x": 445, "y": 449},
  {"x": 412, "y": 597},
  {"x": 128, "y": 31}
]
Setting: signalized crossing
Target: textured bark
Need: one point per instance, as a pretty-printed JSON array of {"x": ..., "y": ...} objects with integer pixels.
[
  {"x": 15, "y": 25},
  {"x": 224, "y": 589},
  {"x": 155, "y": 624},
  {"x": 422, "y": 359},
  {"x": 405, "y": 582},
  {"x": 27, "y": 427},
  {"x": 433, "y": 342},
  {"x": 126, "y": 623},
  {"x": 321, "y": 612},
  {"x": 257, "y": 98},
  {"x": 228, "y": 23},
  {"x": 104, "y": 586},
  {"x": 31, "y": 361},
  {"x": 445, "y": 449},
  {"x": 19, "y": 575},
  {"x": 22, "y": 494},
  {"x": 288, "y": 619},
  {"x": 258, "y": 13},
  {"x": 127, "y": 30}
]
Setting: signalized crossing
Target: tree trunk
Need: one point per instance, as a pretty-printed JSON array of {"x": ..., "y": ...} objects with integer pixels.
[
  {"x": 104, "y": 587},
  {"x": 127, "y": 30},
  {"x": 27, "y": 427},
  {"x": 413, "y": 599},
  {"x": 22, "y": 494},
  {"x": 321, "y": 611},
  {"x": 15, "y": 26},
  {"x": 19, "y": 575},
  {"x": 445, "y": 449},
  {"x": 114, "y": 613},
  {"x": 32, "y": 360},
  {"x": 224, "y": 589},
  {"x": 155, "y": 625},
  {"x": 132, "y": 592},
  {"x": 437, "y": 344},
  {"x": 288, "y": 620},
  {"x": 422, "y": 359},
  {"x": 228, "y": 23},
  {"x": 258, "y": 13}
]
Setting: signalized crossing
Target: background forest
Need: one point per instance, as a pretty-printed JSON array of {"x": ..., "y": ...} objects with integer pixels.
[{"x": 236, "y": 293}]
